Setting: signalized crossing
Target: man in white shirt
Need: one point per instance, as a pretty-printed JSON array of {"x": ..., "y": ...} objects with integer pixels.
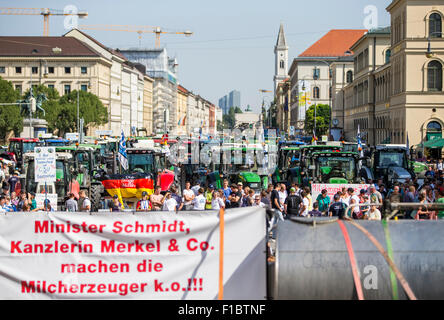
[
  {"x": 303, "y": 211},
  {"x": 188, "y": 196},
  {"x": 170, "y": 203},
  {"x": 200, "y": 201},
  {"x": 85, "y": 203},
  {"x": 352, "y": 200}
]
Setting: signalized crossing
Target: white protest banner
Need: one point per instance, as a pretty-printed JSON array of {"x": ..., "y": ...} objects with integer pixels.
[
  {"x": 40, "y": 200},
  {"x": 45, "y": 164},
  {"x": 156, "y": 255},
  {"x": 332, "y": 189}
]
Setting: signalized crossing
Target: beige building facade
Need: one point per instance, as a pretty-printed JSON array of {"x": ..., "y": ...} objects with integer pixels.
[{"x": 399, "y": 94}]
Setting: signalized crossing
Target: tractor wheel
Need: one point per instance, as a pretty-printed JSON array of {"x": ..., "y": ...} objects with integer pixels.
[{"x": 96, "y": 195}]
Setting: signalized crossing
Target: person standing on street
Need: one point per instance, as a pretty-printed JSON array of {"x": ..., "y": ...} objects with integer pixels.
[
  {"x": 216, "y": 201},
  {"x": 283, "y": 194},
  {"x": 209, "y": 197},
  {"x": 373, "y": 213},
  {"x": 71, "y": 204},
  {"x": 199, "y": 201},
  {"x": 303, "y": 210},
  {"x": 176, "y": 197},
  {"x": 235, "y": 197},
  {"x": 323, "y": 201},
  {"x": 292, "y": 203},
  {"x": 13, "y": 181},
  {"x": 188, "y": 196},
  {"x": 144, "y": 203},
  {"x": 337, "y": 208},
  {"x": 115, "y": 206},
  {"x": 157, "y": 199},
  {"x": 84, "y": 202},
  {"x": 169, "y": 204},
  {"x": 275, "y": 203},
  {"x": 353, "y": 203}
]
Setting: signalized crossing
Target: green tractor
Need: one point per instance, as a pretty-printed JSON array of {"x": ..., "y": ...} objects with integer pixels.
[
  {"x": 87, "y": 167},
  {"x": 288, "y": 168},
  {"x": 249, "y": 171},
  {"x": 335, "y": 167}
]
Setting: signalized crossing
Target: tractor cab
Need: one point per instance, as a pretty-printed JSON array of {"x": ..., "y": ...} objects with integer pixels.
[
  {"x": 151, "y": 161},
  {"x": 389, "y": 163},
  {"x": 335, "y": 167},
  {"x": 248, "y": 167},
  {"x": 19, "y": 146}
]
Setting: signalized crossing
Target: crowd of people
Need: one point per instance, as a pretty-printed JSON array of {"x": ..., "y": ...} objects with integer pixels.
[{"x": 291, "y": 200}]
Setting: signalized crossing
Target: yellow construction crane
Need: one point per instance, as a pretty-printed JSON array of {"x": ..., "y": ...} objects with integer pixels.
[
  {"x": 138, "y": 29},
  {"x": 45, "y": 12}
]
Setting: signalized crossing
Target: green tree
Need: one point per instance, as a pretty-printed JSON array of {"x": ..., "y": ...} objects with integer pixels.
[
  {"x": 229, "y": 119},
  {"x": 91, "y": 109},
  {"x": 322, "y": 119},
  {"x": 10, "y": 117}
]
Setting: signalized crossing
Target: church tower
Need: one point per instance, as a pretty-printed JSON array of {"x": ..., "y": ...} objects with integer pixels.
[{"x": 281, "y": 58}]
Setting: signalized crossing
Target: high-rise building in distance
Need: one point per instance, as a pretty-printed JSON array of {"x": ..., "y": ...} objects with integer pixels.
[{"x": 233, "y": 99}]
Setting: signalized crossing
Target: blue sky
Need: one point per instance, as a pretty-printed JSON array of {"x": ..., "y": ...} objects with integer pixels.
[{"x": 233, "y": 41}]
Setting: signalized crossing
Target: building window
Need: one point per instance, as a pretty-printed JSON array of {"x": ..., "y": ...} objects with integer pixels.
[
  {"x": 84, "y": 87},
  {"x": 434, "y": 126},
  {"x": 316, "y": 93},
  {"x": 84, "y": 70},
  {"x": 435, "y": 25},
  {"x": 2, "y": 69},
  {"x": 50, "y": 86},
  {"x": 18, "y": 87},
  {"x": 316, "y": 73},
  {"x": 388, "y": 54},
  {"x": 349, "y": 76},
  {"x": 282, "y": 64},
  {"x": 35, "y": 70},
  {"x": 50, "y": 69},
  {"x": 67, "y": 88},
  {"x": 434, "y": 76},
  {"x": 18, "y": 69},
  {"x": 67, "y": 69}
]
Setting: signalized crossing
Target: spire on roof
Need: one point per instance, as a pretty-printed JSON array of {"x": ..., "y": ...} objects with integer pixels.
[{"x": 281, "y": 37}]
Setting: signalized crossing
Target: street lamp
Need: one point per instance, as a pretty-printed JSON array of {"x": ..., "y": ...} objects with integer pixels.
[
  {"x": 330, "y": 88},
  {"x": 429, "y": 53},
  {"x": 314, "y": 96}
]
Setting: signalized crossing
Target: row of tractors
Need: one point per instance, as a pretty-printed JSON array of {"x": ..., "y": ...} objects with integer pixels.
[
  {"x": 94, "y": 167},
  {"x": 343, "y": 163}
]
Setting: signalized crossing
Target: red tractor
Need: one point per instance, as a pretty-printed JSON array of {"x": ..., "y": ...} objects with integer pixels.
[{"x": 19, "y": 146}]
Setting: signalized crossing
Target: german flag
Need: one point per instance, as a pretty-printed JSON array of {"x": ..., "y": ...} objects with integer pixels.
[{"x": 128, "y": 185}]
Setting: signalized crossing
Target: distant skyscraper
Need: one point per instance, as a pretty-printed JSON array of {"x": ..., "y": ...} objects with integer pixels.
[
  {"x": 223, "y": 104},
  {"x": 233, "y": 99}
]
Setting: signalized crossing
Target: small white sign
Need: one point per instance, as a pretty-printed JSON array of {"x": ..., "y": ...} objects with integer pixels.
[{"x": 45, "y": 164}]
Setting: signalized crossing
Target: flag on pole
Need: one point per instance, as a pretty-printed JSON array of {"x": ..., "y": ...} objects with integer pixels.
[
  {"x": 184, "y": 119},
  {"x": 358, "y": 138},
  {"x": 123, "y": 158},
  {"x": 314, "y": 138}
]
